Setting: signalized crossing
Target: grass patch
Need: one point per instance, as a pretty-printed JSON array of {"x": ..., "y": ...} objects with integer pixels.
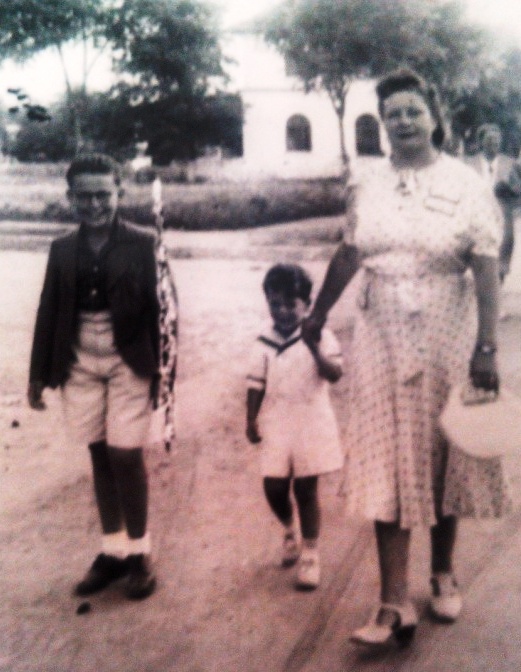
[{"x": 37, "y": 193}]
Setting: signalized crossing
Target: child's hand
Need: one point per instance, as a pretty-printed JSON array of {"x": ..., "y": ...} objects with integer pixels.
[
  {"x": 252, "y": 432},
  {"x": 311, "y": 338},
  {"x": 312, "y": 326},
  {"x": 34, "y": 396}
]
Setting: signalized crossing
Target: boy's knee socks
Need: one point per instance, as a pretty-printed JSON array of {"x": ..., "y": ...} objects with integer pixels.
[{"x": 115, "y": 544}]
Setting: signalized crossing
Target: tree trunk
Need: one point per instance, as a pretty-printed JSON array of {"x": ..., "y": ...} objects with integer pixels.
[{"x": 343, "y": 151}]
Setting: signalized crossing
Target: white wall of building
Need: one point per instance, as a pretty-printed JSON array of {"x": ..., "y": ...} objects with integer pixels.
[{"x": 270, "y": 97}]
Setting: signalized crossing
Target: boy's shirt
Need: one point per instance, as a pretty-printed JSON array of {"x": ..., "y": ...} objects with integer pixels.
[{"x": 286, "y": 367}]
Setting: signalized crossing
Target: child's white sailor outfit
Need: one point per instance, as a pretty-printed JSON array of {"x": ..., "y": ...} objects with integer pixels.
[{"x": 297, "y": 422}]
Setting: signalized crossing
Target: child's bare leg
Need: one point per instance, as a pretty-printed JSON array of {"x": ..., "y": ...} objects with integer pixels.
[
  {"x": 306, "y": 494},
  {"x": 277, "y": 494}
]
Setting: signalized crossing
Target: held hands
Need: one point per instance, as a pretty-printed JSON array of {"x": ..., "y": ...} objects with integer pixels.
[
  {"x": 252, "y": 432},
  {"x": 312, "y": 326},
  {"x": 34, "y": 396},
  {"x": 483, "y": 370}
]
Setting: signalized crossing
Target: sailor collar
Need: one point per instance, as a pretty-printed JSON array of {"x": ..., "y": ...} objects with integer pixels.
[{"x": 278, "y": 342}]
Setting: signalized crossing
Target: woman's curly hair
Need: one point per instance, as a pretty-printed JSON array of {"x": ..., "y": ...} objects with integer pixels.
[{"x": 405, "y": 79}]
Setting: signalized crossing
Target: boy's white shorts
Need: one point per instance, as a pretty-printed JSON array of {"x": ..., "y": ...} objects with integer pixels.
[{"x": 103, "y": 399}]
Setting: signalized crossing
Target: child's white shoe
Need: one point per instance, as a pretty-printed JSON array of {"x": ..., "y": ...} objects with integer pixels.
[
  {"x": 308, "y": 572},
  {"x": 290, "y": 548}
]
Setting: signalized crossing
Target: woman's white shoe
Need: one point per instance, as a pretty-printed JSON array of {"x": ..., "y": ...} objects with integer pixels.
[
  {"x": 446, "y": 601},
  {"x": 400, "y": 631}
]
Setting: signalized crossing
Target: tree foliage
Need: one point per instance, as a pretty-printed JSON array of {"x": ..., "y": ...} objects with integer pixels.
[
  {"x": 169, "y": 46},
  {"x": 30, "y": 26},
  {"x": 168, "y": 56},
  {"x": 497, "y": 99},
  {"x": 170, "y": 51},
  {"x": 329, "y": 44}
]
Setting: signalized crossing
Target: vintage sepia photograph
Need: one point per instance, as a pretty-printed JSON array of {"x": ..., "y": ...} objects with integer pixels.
[{"x": 260, "y": 335}]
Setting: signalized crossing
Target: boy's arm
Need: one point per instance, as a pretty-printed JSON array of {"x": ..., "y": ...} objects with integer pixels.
[
  {"x": 42, "y": 339},
  {"x": 253, "y": 404},
  {"x": 34, "y": 395}
]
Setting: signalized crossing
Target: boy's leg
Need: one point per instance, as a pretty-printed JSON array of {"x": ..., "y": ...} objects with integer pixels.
[
  {"x": 277, "y": 494},
  {"x": 132, "y": 481},
  {"x": 105, "y": 488},
  {"x": 131, "y": 478},
  {"x": 111, "y": 564},
  {"x": 306, "y": 494}
]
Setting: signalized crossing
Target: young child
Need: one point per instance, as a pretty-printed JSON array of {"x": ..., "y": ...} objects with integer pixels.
[
  {"x": 97, "y": 337},
  {"x": 288, "y": 392}
]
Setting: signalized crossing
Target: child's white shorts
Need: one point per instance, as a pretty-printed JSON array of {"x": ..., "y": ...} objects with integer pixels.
[
  {"x": 103, "y": 399},
  {"x": 300, "y": 442}
]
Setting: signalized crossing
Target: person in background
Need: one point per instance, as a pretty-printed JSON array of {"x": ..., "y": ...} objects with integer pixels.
[
  {"x": 495, "y": 168},
  {"x": 417, "y": 222},
  {"x": 97, "y": 338},
  {"x": 289, "y": 410}
]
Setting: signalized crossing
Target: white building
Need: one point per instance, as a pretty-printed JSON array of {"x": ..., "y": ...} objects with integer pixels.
[{"x": 288, "y": 132}]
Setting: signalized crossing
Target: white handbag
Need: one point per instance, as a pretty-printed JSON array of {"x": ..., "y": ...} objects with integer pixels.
[{"x": 482, "y": 424}]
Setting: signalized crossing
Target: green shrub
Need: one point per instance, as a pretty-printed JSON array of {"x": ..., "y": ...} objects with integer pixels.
[
  {"x": 235, "y": 206},
  {"x": 37, "y": 193}
]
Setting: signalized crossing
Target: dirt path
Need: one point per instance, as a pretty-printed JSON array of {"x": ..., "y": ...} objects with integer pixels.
[{"x": 223, "y": 604}]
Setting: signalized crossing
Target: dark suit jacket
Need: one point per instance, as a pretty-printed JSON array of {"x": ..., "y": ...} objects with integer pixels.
[
  {"x": 133, "y": 304},
  {"x": 508, "y": 205}
]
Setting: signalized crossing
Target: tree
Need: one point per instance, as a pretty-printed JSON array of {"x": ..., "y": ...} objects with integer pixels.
[
  {"x": 329, "y": 44},
  {"x": 30, "y": 26},
  {"x": 496, "y": 98},
  {"x": 169, "y": 55},
  {"x": 167, "y": 45}
]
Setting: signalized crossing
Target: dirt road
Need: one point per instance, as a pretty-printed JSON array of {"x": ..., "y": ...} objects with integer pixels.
[{"x": 223, "y": 604}]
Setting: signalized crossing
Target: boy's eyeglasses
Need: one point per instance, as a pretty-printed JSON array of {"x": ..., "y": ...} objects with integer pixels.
[{"x": 88, "y": 196}]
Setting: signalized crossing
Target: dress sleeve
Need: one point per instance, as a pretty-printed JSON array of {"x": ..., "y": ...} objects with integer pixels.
[
  {"x": 485, "y": 222},
  {"x": 258, "y": 367}
]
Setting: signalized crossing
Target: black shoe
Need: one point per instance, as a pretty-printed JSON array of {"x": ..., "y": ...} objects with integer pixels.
[
  {"x": 141, "y": 580},
  {"x": 104, "y": 570}
]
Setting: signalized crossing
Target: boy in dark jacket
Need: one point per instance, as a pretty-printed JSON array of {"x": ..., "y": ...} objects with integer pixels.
[{"x": 96, "y": 337}]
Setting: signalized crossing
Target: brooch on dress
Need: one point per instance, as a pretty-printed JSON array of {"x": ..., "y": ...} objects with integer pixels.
[{"x": 407, "y": 181}]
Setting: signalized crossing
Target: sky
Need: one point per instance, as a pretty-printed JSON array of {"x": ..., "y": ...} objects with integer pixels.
[{"x": 503, "y": 16}]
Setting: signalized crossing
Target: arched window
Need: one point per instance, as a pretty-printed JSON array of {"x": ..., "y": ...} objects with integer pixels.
[
  {"x": 367, "y": 132},
  {"x": 298, "y": 134}
]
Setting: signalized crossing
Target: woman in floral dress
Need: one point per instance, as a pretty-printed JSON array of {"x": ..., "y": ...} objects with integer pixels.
[{"x": 423, "y": 234}]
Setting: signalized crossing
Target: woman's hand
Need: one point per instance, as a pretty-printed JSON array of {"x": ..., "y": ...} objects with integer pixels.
[
  {"x": 312, "y": 326},
  {"x": 483, "y": 370}
]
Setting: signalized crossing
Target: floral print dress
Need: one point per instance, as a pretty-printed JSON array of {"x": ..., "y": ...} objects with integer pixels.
[{"x": 414, "y": 332}]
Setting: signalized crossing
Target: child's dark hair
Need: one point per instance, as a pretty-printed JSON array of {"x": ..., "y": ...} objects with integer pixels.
[
  {"x": 289, "y": 279},
  {"x": 100, "y": 164}
]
